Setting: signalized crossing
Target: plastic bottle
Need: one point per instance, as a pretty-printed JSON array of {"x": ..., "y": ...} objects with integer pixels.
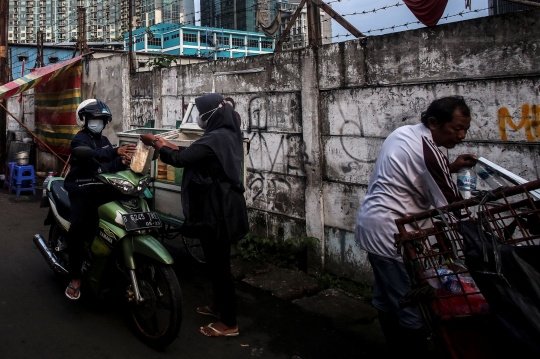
[
  {"x": 488, "y": 175},
  {"x": 46, "y": 181},
  {"x": 466, "y": 182},
  {"x": 449, "y": 280}
]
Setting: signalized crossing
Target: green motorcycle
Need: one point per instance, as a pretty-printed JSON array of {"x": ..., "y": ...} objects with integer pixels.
[{"x": 124, "y": 257}]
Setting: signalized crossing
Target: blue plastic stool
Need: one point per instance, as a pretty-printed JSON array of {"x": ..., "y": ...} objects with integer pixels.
[
  {"x": 22, "y": 175},
  {"x": 9, "y": 177}
]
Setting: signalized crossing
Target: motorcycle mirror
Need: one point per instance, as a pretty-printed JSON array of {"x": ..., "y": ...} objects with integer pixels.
[{"x": 82, "y": 153}]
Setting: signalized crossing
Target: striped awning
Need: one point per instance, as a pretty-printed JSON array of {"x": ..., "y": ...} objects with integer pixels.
[{"x": 38, "y": 76}]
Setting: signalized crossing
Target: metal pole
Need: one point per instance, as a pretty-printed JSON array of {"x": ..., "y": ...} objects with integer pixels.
[
  {"x": 130, "y": 41},
  {"x": 4, "y": 76},
  {"x": 314, "y": 24},
  {"x": 334, "y": 15}
]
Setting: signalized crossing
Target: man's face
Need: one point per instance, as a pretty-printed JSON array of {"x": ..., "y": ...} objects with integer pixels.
[{"x": 451, "y": 133}]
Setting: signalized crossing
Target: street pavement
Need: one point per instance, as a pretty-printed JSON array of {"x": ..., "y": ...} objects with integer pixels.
[{"x": 38, "y": 321}]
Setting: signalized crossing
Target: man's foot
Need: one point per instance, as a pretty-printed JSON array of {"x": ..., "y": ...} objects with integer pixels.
[
  {"x": 73, "y": 290},
  {"x": 209, "y": 311},
  {"x": 218, "y": 329}
]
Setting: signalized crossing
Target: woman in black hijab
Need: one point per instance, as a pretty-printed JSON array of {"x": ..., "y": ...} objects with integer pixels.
[{"x": 212, "y": 199}]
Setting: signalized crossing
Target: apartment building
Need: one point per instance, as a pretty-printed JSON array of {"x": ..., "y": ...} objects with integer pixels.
[
  {"x": 298, "y": 36},
  {"x": 106, "y": 20},
  {"x": 497, "y": 7},
  {"x": 199, "y": 41},
  {"x": 236, "y": 14}
]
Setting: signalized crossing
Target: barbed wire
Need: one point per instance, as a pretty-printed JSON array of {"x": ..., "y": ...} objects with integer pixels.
[
  {"x": 369, "y": 11},
  {"x": 461, "y": 13}
]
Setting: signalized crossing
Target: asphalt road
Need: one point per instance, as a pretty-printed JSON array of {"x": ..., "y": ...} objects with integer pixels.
[{"x": 37, "y": 321}]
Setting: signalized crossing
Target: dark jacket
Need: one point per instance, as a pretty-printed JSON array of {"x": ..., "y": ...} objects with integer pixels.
[
  {"x": 212, "y": 204},
  {"x": 105, "y": 155}
]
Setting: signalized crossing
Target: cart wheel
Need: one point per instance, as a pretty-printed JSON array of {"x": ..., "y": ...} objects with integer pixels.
[{"x": 194, "y": 247}]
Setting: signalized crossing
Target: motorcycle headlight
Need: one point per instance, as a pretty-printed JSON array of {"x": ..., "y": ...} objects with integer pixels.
[
  {"x": 124, "y": 186},
  {"x": 143, "y": 184}
]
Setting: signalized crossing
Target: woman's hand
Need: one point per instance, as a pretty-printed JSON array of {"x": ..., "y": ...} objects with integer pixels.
[
  {"x": 148, "y": 138},
  {"x": 464, "y": 160},
  {"x": 126, "y": 160},
  {"x": 127, "y": 150}
]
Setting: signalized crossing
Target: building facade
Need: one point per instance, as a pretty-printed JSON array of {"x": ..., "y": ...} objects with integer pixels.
[
  {"x": 106, "y": 20},
  {"x": 497, "y": 7},
  {"x": 151, "y": 12},
  {"x": 199, "y": 41},
  {"x": 298, "y": 36},
  {"x": 237, "y": 14}
]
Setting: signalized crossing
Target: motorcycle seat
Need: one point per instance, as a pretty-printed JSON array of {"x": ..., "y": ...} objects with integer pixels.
[{"x": 61, "y": 198}]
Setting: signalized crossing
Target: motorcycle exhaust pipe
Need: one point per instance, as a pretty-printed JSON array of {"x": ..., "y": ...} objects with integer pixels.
[{"x": 48, "y": 255}]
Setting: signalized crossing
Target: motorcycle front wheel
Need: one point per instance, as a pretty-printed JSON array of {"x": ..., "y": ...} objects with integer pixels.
[{"x": 158, "y": 318}]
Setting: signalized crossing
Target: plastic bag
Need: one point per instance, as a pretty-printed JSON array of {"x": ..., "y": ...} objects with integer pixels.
[
  {"x": 141, "y": 160},
  {"x": 447, "y": 283},
  {"x": 509, "y": 278}
]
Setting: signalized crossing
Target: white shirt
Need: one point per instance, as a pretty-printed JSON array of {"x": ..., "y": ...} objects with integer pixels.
[{"x": 411, "y": 175}]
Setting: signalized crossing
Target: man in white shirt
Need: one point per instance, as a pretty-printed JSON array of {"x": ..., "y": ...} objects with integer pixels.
[{"x": 411, "y": 175}]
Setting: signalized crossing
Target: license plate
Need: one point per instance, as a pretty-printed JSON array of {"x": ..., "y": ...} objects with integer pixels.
[{"x": 141, "y": 220}]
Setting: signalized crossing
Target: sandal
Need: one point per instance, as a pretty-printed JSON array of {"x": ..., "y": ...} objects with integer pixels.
[
  {"x": 206, "y": 310},
  {"x": 75, "y": 290},
  {"x": 216, "y": 333}
]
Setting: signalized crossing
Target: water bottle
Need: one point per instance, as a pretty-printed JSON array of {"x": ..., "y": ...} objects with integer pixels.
[
  {"x": 488, "y": 175},
  {"x": 466, "y": 182},
  {"x": 47, "y": 179}
]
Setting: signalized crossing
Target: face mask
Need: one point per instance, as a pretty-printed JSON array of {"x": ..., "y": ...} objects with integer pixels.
[
  {"x": 95, "y": 126},
  {"x": 203, "y": 124}
]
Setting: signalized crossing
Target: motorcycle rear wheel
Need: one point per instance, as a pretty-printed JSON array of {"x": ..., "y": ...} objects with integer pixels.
[{"x": 157, "y": 320}]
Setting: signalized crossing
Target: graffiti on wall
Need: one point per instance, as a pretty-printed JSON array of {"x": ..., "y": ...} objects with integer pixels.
[
  {"x": 274, "y": 132},
  {"x": 277, "y": 156},
  {"x": 276, "y": 193},
  {"x": 530, "y": 122}
]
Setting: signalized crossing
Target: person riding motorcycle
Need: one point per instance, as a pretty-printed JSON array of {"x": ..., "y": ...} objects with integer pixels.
[{"x": 85, "y": 198}]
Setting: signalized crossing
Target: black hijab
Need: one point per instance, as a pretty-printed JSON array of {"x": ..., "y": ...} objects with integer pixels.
[{"x": 222, "y": 134}]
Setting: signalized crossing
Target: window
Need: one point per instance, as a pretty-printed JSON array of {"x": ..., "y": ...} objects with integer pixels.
[
  {"x": 53, "y": 59},
  {"x": 238, "y": 42},
  {"x": 22, "y": 57},
  {"x": 190, "y": 38},
  {"x": 222, "y": 40},
  {"x": 175, "y": 36},
  {"x": 266, "y": 44},
  {"x": 253, "y": 43},
  {"x": 154, "y": 42}
]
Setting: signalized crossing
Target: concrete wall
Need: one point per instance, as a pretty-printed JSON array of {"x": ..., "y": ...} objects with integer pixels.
[{"x": 317, "y": 118}]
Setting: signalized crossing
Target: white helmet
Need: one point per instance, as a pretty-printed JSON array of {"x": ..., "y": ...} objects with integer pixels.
[{"x": 91, "y": 109}]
